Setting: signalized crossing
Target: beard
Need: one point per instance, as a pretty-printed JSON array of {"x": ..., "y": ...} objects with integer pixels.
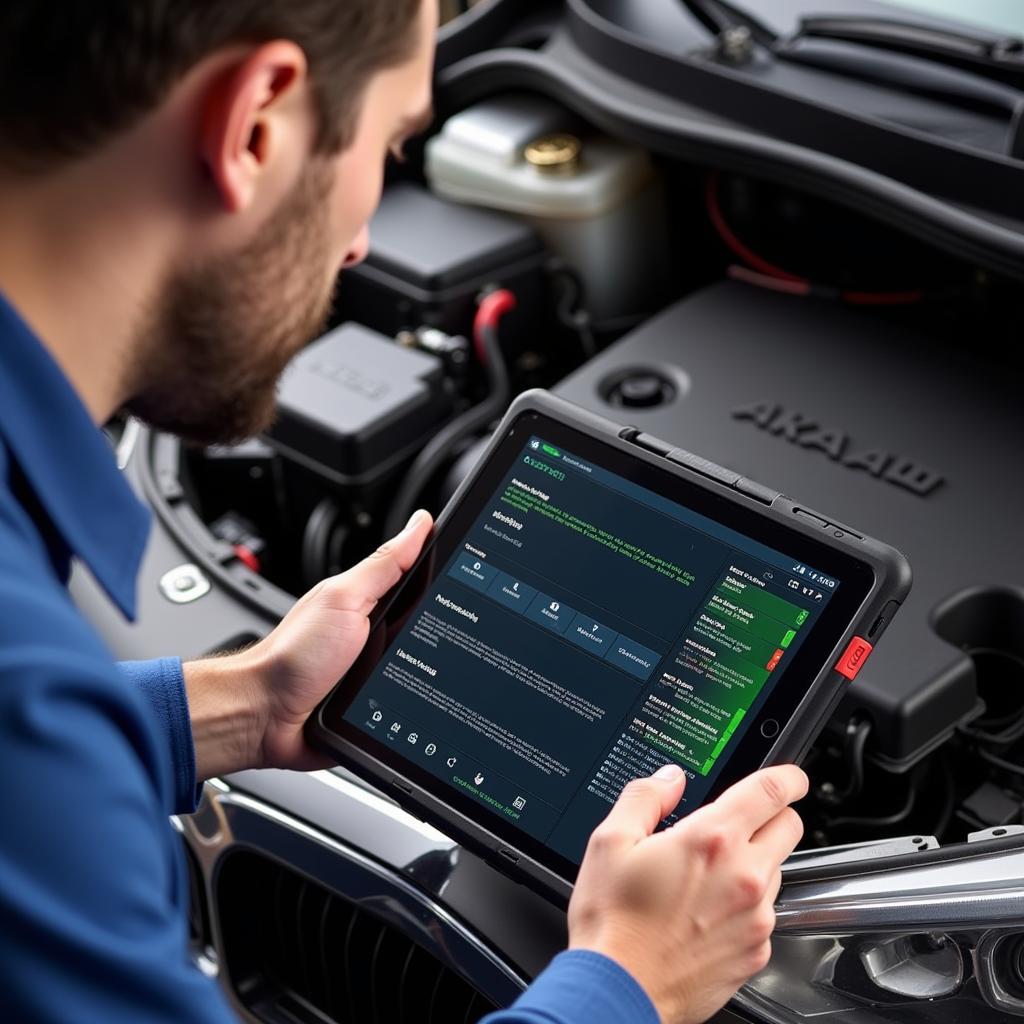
[{"x": 222, "y": 333}]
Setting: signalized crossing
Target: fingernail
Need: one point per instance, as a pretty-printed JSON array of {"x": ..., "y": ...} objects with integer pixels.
[
  {"x": 670, "y": 773},
  {"x": 412, "y": 520}
]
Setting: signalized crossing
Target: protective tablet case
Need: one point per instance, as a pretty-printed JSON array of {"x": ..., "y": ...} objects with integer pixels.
[{"x": 892, "y": 579}]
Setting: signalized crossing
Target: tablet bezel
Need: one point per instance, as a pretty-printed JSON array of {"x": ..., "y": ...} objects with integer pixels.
[{"x": 802, "y": 698}]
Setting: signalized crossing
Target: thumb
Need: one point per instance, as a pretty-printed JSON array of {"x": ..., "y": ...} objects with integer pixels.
[
  {"x": 644, "y": 802},
  {"x": 375, "y": 575}
]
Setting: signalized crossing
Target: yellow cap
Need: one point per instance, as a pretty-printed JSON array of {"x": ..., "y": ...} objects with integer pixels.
[{"x": 554, "y": 154}]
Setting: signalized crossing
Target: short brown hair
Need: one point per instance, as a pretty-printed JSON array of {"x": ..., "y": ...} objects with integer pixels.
[{"x": 73, "y": 73}]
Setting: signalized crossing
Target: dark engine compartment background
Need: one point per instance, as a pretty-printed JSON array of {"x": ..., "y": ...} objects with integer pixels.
[{"x": 876, "y": 378}]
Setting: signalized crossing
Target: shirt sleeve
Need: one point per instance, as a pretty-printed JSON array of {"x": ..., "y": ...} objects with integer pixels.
[
  {"x": 92, "y": 882},
  {"x": 162, "y": 683},
  {"x": 580, "y": 987}
]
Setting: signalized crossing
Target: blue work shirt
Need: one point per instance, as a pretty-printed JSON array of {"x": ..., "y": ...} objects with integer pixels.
[{"x": 95, "y": 756}]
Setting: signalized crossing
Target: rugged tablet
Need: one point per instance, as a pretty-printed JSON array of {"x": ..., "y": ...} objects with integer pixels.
[{"x": 593, "y": 604}]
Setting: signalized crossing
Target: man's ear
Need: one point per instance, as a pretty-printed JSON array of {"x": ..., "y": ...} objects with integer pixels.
[{"x": 249, "y": 111}]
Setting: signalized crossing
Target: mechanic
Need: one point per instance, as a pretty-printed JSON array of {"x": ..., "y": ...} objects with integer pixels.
[{"x": 180, "y": 183}]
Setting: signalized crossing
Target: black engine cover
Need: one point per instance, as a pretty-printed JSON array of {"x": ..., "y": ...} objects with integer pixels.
[{"x": 875, "y": 424}]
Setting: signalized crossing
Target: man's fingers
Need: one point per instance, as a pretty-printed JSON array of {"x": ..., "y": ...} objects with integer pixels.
[
  {"x": 370, "y": 579},
  {"x": 778, "y": 838},
  {"x": 758, "y": 798},
  {"x": 642, "y": 804}
]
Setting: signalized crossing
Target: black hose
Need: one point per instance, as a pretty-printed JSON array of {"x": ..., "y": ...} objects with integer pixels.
[
  {"x": 1000, "y": 762},
  {"x": 857, "y": 733},
  {"x": 1004, "y": 729},
  {"x": 569, "y": 306},
  {"x": 427, "y": 464},
  {"x": 880, "y": 822},
  {"x": 315, "y": 540}
]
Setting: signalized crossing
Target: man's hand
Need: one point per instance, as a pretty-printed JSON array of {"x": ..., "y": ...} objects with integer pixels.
[
  {"x": 248, "y": 709},
  {"x": 688, "y": 911}
]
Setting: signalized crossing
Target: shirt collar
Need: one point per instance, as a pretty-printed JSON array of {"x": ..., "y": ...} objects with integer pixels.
[{"x": 68, "y": 462}]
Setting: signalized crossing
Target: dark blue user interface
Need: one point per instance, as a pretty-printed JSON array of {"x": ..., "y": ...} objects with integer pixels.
[{"x": 586, "y": 631}]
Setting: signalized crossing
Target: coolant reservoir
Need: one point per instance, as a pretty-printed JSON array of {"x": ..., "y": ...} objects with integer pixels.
[{"x": 596, "y": 202}]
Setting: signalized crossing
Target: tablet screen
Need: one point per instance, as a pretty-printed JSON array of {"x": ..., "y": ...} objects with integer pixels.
[{"x": 580, "y": 630}]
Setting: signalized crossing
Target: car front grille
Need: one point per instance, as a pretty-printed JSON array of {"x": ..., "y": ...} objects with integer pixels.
[{"x": 296, "y": 951}]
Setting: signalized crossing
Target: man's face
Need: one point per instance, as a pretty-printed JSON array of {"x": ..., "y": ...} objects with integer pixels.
[{"x": 222, "y": 333}]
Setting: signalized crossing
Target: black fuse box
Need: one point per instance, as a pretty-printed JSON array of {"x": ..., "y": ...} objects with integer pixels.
[
  {"x": 429, "y": 260},
  {"x": 355, "y": 404}
]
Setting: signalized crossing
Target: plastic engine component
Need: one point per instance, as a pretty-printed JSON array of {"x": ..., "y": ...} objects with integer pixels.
[
  {"x": 871, "y": 424},
  {"x": 430, "y": 258},
  {"x": 596, "y": 202},
  {"x": 354, "y": 403}
]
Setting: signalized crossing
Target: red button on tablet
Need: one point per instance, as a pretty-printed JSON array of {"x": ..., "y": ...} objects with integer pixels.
[{"x": 854, "y": 657}]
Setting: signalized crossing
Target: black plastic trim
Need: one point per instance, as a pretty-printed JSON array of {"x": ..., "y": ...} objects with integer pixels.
[
  {"x": 157, "y": 467},
  {"x": 949, "y": 227},
  {"x": 941, "y": 167}
]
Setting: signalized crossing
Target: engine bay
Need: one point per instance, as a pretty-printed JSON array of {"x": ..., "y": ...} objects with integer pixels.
[
  {"x": 791, "y": 338},
  {"x": 792, "y": 244}
]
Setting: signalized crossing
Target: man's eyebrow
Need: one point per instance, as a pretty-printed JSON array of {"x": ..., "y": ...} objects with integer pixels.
[{"x": 419, "y": 122}]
